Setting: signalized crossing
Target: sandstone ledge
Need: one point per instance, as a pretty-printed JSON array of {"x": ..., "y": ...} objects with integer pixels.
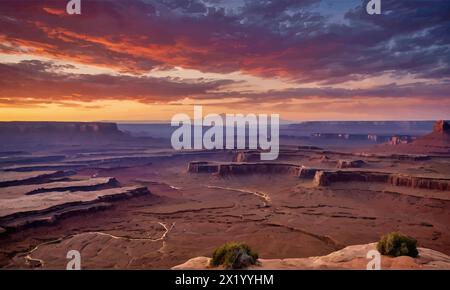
[
  {"x": 23, "y": 178},
  {"x": 351, "y": 258},
  {"x": 46, "y": 208},
  {"x": 327, "y": 177},
  {"x": 321, "y": 177},
  {"x": 242, "y": 168}
]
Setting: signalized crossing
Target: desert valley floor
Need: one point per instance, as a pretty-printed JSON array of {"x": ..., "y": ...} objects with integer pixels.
[{"x": 134, "y": 208}]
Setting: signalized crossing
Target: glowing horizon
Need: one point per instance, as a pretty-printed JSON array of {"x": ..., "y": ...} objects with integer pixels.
[{"x": 139, "y": 60}]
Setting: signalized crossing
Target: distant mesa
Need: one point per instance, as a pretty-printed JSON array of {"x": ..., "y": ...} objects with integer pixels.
[
  {"x": 441, "y": 127},
  {"x": 59, "y": 127},
  {"x": 24, "y": 134},
  {"x": 364, "y": 127},
  {"x": 440, "y": 137},
  {"x": 350, "y": 163},
  {"x": 242, "y": 168},
  {"x": 328, "y": 177},
  {"x": 436, "y": 142},
  {"x": 401, "y": 139},
  {"x": 321, "y": 177}
]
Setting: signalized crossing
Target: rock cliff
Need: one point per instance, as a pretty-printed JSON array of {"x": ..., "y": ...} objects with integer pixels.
[{"x": 326, "y": 178}]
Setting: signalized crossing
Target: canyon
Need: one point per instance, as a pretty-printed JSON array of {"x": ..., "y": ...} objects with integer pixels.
[{"x": 129, "y": 201}]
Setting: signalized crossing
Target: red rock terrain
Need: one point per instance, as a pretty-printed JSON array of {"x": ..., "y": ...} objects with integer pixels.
[
  {"x": 436, "y": 142},
  {"x": 188, "y": 209},
  {"x": 351, "y": 257}
]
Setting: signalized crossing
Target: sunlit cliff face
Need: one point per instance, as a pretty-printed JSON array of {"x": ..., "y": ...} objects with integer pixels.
[{"x": 150, "y": 59}]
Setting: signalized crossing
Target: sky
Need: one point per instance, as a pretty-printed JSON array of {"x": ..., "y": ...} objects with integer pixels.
[{"x": 147, "y": 60}]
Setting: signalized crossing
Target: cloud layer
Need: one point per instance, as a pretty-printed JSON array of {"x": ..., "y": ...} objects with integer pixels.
[{"x": 291, "y": 40}]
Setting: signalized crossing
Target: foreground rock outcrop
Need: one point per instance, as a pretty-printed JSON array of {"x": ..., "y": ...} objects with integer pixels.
[{"x": 351, "y": 257}]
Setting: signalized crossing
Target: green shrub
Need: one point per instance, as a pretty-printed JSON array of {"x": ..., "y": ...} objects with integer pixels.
[
  {"x": 396, "y": 244},
  {"x": 234, "y": 256}
]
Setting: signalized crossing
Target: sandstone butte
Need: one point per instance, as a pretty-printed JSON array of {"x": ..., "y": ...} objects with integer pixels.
[{"x": 436, "y": 142}]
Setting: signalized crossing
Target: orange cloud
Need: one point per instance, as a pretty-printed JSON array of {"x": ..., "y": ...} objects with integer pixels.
[{"x": 54, "y": 11}]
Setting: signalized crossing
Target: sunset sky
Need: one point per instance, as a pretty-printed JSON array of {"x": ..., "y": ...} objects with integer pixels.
[{"x": 147, "y": 60}]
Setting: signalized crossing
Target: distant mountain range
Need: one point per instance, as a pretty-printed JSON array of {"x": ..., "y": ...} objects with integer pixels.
[
  {"x": 282, "y": 121},
  {"x": 364, "y": 127}
]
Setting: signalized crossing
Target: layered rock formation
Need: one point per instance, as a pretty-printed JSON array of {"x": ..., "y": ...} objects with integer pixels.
[
  {"x": 258, "y": 168},
  {"x": 44, "y": 167},
  {"x": 326, "y": 178},
  {"x": 22, "y": 211},
  {"x": 411, "y": 157},
  {"x": 363, "y": 127},
  {"x": 65, "y": 128},
  {"x": 351, "y": 257},
  {"x": 307, "y": 172},
  {"x": 321, "y": 177},
  {"x": 31, "y": 134},
  {"x": 309, "y": 148},
  {"x": 202, "y": 167},
  {"x": 23, "y": 178},
  {"x": 242, "y": 168},
  {"x": 76, "y": 185},
  {"x": 436, "y": 142},
  {"x": 419, "y": 182},
  {"x": 255, "y": 155},
  {"x": 441, "y": 127},
  {"x": 350, "y": 163},
  {"x": 30, "y": 159},
  {"x": 65, "y": 184}
]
